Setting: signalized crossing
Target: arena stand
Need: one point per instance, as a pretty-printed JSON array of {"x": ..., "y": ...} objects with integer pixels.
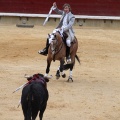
[{"x": 92, "y": 13}]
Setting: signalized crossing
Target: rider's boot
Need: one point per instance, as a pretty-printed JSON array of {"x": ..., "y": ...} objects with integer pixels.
[
  {"x": 68, "y": 55},
  {"x": 45, "y": 50}
]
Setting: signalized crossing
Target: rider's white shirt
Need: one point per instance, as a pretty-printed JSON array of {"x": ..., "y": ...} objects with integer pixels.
[{"x": 65, "y": 21}]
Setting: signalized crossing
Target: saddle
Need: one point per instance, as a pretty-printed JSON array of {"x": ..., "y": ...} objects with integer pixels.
[{"x": 65, "y": 37}]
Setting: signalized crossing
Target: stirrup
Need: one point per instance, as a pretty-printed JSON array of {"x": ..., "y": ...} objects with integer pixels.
[{"x": 68, "y": 59}]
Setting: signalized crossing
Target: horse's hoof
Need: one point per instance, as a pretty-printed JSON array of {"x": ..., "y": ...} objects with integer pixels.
[
  {"x": 57, "y": 76},
  {"x": 70, "y": 79},
  {"x": 64, "y": 75}
]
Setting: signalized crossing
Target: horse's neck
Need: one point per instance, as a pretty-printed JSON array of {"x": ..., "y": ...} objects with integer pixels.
[
  {"x": 53, "y": 47},
  {"x": 59, "y": 42},
  {"x": 57, "y": 46}
]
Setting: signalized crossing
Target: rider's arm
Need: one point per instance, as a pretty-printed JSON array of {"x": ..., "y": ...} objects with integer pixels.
[
  {"x": 56, "y": 9},
  {"x": 70, "y": 24}
]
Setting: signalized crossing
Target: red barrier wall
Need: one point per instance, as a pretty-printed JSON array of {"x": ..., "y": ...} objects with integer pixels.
[{"x": 81, "y": 7}]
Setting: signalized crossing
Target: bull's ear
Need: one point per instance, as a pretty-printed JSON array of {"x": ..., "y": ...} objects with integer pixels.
[{"x": 28, "y": 77}]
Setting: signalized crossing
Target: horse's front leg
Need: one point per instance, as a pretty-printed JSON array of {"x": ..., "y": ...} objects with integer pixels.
[
  {"x": 58, "y": 73},
  {"x": 61, "y": 68},
  {"x": 48, "y": 66}
]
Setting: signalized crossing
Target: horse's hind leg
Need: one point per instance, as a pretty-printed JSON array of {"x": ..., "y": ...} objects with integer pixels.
[{"x": 70, "y": 72}]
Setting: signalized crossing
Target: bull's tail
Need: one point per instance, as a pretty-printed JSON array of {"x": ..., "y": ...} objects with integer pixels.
[{"x": 29, "y": 110}]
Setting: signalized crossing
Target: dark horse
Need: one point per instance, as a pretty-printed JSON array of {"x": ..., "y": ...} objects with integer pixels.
[{"x": 57, "y": 51}]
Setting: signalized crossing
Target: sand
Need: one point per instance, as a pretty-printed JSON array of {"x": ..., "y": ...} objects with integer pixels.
[{"x": 95, "y": 92}]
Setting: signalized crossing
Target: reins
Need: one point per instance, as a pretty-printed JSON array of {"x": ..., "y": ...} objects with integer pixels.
[{"x": 57, "y": 50}]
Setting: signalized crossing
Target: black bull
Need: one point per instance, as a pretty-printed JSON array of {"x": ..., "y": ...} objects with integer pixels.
[{"x": 34, "y": 97}]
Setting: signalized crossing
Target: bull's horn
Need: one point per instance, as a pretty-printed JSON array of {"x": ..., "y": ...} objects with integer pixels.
[
  {"x": 27, "y": 76},
  {"x": 48, "y": 77}
]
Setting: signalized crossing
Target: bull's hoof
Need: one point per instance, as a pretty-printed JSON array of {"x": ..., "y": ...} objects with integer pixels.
[
  {"x": 70, "y": 79},
  {"x": 64, "y": 75}
]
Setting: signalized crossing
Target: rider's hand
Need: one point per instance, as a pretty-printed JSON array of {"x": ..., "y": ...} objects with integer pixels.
[
  {"x": 54, "y": 4},
  {"x": 59, "y": 28}
]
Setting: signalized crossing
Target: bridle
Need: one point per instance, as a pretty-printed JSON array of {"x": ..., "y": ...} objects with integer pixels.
[
  {"x": 53, "y": 49},
  {"x": 57, "y": 48}
]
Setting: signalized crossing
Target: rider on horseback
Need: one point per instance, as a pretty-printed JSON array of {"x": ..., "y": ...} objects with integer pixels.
[{"x": 66, "y": 22}]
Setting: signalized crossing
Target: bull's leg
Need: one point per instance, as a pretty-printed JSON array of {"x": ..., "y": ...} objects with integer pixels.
[
  {"x": 48, "y": 67},
  {"x": 25, "y": 108},
  {"x": 61, "y": 68},
  {"x": 34, "y": 114},
  {"x": 42, "y": 111}
]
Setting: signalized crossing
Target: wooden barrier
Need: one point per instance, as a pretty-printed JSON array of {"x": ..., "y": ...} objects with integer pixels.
[
  {"x": 21, "y": 19},
  {"x": 58, "y": 16}
]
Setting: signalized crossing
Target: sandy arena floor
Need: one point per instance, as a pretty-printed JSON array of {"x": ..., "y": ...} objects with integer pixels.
[{"x": 95, "y": 92}]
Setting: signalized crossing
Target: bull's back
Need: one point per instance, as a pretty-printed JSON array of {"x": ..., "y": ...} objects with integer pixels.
[
  {"x": 34, "y": 96},
  {"x": 37, "y": 90}
]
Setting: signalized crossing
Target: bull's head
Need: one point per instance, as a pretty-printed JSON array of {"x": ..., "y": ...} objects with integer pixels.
[{"x": 29, "y": 77}]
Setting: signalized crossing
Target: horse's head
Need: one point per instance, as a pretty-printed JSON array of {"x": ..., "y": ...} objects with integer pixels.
[
  {"x": 54, "y": 37},
  {"x": 55, "y": 41}
]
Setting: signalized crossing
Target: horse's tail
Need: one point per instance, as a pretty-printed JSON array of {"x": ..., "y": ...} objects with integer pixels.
[{"x": 77, "y": 58}]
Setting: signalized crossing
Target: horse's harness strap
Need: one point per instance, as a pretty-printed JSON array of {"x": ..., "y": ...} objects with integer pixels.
[
  {"x": 55, "y": 47},
  {"x": 60, "y": 48},
  {"x": 56, "y": 52}
]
